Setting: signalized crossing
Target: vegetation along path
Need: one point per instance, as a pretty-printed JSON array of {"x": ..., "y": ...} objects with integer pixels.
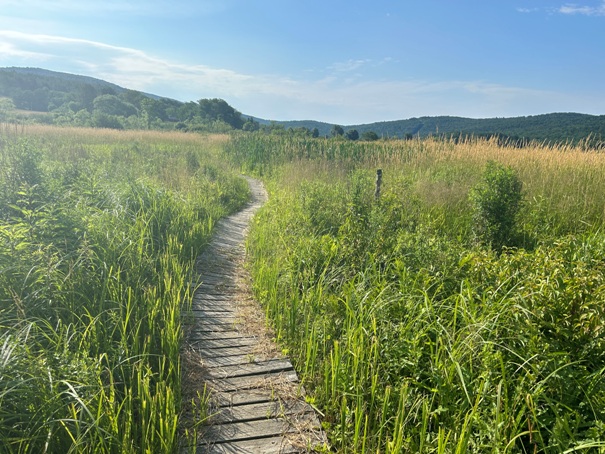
[{"x": 256, "y": 403}]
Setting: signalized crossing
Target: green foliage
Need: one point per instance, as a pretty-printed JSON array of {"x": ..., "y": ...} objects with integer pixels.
[
  {"x": 370, "y": 136},
  {"x": 496, "y": 203},
  {"x": 337, "y": 131},
  {"x": 352, "y": 134},
  {"x": 409, "y": 335},
  {"x": 112, "y": 105},
  {"x": 98, "y": 238},
  {"x": 85, "y": 101}
]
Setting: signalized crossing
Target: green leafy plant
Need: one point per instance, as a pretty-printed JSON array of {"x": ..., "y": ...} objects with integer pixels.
[{"x": 496, "y": 202}]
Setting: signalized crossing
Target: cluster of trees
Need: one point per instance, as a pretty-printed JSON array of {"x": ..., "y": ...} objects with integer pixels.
[{"x": 353, "y": 134}]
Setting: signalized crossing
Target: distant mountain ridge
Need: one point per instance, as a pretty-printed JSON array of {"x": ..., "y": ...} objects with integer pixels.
[
  {"x": 556, "y": 127},
  {"x": 31, "y": 85}
]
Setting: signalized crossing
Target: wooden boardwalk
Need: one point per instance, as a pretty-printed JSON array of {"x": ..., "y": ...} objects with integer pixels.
[{"x": 257, "y": 404}]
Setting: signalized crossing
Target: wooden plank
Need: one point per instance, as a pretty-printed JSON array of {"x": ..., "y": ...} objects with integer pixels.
[
  {"x": 225, "y": 307},
  {"x": 269, "y": 445},
  {"x": 251, "y": 382},
  {"x": 204, "y": 319},
  {"x": 235, "y": 398},
  {"x": 214, "y": 327},
  {"x": 271, "y": 366},
  {"x": 211, "y": 313},
  {"x": 249, "y": 430},
  {"x": 262, "y": 410},
  {"x": 196, "y": 336},
  {"x": 205, "y": 352},
  {"x": 205, "y": 297},
  {"x": 231, "y": 360},
  {"x": 214, "y": 311},
  {"x": 238, "y": 341}
]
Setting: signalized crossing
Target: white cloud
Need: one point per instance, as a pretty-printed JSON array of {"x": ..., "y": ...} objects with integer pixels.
[
  {"x": 350, "y": 65},
  {"x": 572, "y": 8}
]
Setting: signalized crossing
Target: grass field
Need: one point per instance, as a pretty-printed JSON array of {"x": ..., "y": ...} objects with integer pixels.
[
  {"x": 412, "y": 329},
  {"x": 410, "y": 332},
  {"x": 98, "y": 234}
]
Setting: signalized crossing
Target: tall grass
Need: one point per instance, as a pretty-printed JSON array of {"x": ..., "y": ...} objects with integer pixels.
[
  {"x": 411, "y": 336},
  {"x": 99, "y": 231}
]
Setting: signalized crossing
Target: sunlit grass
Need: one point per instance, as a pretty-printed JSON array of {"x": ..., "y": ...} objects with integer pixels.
[
  {"x": 99, "y": 231},
  {"x": 410, "y": 335}
]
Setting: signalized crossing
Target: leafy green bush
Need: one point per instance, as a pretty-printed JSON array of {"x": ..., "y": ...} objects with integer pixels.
[{"x": 496, "y": 201}]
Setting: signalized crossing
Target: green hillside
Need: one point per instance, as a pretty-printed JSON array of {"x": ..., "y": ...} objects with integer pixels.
[
  {"x": 86, "y": 101},
  {"x": 554, "y": 127}
]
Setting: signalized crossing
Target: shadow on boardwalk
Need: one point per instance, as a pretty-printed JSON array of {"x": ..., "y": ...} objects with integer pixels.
[{"x": 256, "y": 402}]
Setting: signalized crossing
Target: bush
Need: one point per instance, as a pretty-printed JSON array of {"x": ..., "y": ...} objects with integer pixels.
[{"x": 496, "y": 201}]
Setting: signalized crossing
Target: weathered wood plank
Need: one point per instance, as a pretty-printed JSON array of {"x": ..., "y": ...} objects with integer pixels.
[
  {"x": 205, "y": 297},
  {"x": 237, "y": 341},
  {"x": 270, "y": 445},
  {"x": 246, "y": 397},
  {"x": 246, "y": 350},
  {"x": 214, "y": 327},
  {"x": 262, "y": 410},
  {"x": 211, "y": 313},
  {"x": 248, "y": 430},
  {"x": 231, "y": 360},
  {"x": 196, "y": 336},
  {"x": 251, "y": 382},
  {"x": 205, "y": 319},
  {"x": 271, "y": 366}
]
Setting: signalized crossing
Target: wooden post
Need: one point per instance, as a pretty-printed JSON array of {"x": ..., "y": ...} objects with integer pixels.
[{"x": 378, "y": 183}]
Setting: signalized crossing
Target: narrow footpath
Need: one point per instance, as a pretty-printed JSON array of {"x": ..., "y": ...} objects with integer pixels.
[{"x": 256, "y": 404}]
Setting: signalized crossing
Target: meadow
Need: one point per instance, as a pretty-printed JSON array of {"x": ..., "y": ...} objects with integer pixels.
[
  {"x": 411, "y": 328},
  {"x": 411, "y": 332},
  {"x": 99, "y": 231}
]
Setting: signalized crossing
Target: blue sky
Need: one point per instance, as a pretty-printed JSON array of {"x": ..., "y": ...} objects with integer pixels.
[{"x": 343, "y": 62}]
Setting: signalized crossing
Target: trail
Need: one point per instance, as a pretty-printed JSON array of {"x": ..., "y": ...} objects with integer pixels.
[{"x": 257, "y": 404}]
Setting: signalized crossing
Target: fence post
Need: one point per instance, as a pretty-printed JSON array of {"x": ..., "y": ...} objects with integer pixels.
[{"x": 378, "y": 183}]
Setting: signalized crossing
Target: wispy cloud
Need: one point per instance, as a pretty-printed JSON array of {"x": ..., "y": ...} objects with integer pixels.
[
  {"x": 135, "y": 7},
  {"x": 129, "y": 67},
  {"x": 572, "y": 8},
  {"x": 349, "y": 65}
]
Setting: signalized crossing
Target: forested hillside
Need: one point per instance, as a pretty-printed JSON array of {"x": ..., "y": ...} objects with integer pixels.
[
  {"x": 84, "y": 101},
  {"x": 554, "y": 127},
  {"x": 68, "y": 99}
]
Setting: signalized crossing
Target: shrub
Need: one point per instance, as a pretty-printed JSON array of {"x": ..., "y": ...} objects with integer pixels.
[{"x": 496, "y": 201}]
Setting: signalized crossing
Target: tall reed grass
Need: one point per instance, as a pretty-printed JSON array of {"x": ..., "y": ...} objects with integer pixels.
[
  {"x": 99, "y": 231},
  {"x": 410, "y": 335}
]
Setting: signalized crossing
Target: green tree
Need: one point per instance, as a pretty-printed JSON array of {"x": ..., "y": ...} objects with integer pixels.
[
  {"x": 112, "y": 105},
  {"x": 251, "y": 125},
  {"x": 212, "y": 110},
  {"x": 370, "y": 136},
  {"x": 496, "y": 201},
  {"x": 7, "y": 106},
  {"x": 352, "y": 134},
  {"x": 336, "y": 131}
]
